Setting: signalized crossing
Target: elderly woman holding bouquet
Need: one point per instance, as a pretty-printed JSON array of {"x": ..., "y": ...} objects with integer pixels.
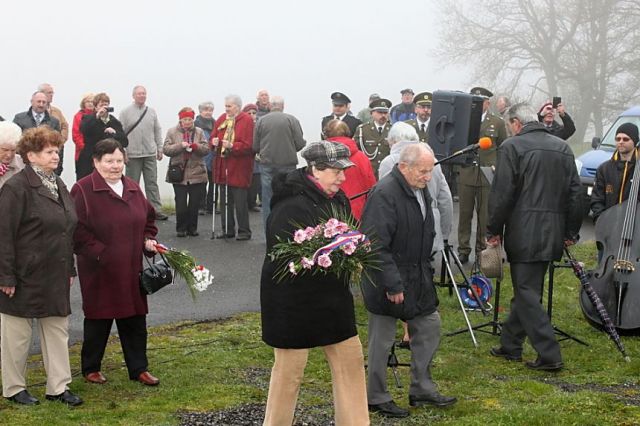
[
  {"x": 305, "y": 310},
  {"x": 116, "y": 224}
]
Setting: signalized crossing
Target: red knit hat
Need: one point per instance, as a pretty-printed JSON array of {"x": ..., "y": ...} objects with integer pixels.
[{"x": 249, "y": 107}]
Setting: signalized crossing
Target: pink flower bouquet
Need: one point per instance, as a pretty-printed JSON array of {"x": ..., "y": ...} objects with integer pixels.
[{"x": 333, "y": 246}]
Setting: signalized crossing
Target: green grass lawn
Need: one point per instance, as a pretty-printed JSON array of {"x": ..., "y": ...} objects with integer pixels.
[{"x": 222, "y": 365}]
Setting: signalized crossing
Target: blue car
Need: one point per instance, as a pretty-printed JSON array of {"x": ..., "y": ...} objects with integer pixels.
[{"x": 603, "y": 149}]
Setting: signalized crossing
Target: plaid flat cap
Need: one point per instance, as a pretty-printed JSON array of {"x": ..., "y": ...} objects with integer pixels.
[{"x": 332, "y": 154}]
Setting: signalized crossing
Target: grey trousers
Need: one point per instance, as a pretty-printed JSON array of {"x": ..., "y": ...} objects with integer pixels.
[
  {"x": 425, "y": 339},
  {"x": 527, "y": 316},
  {"x": 148, "y": 168}
]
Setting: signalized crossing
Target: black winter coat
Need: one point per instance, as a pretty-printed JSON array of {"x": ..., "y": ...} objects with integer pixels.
[
  {"x": 307, "y": 310},
  {"x": 93, "y": 130},
  {"x": 564, "y": 130},
  {"x": 403, "y": 240},
  {"x": 608, "y": 184},
  {"x": 535, "y": 196}
]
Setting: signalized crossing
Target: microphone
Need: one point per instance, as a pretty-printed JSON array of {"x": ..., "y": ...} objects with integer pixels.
[{"x": 484, "y": 143}]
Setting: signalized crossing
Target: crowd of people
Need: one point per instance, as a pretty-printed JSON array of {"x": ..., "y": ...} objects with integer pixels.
[{"x": 381, "y": 171}]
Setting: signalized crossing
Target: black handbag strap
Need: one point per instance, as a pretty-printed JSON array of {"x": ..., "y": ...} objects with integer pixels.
[
  {"x": 137, "y": 122},
  {"x": 164, "y": 259}
]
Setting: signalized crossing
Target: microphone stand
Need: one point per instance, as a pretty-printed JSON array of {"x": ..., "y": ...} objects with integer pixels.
[{"x": 466, "y": 150}]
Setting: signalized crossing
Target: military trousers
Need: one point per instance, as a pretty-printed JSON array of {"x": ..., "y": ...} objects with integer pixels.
[{"x": 472, "y": 198}]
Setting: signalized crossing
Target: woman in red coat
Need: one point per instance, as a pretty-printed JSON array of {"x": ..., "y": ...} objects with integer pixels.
[
  {"x": 115, "y": 224},
  {"x": 232, "y": 138},
  {"x": 86, "y": 108},
  {"x": 360, "y": 178}
]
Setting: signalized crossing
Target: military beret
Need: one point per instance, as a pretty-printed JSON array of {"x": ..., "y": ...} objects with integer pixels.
[
  {"x": 423, "y": 98},
  {"x": 340, "y": 98},
  {"x": 331, "y": 154},
  {"x": 481, "y": 91},
  {"x": 403, "y": 91},
  {"x": 380, "y": 105}
]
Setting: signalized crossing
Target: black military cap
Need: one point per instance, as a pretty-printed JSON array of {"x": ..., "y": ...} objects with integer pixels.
[
  {"x": 382, "y": 105},
  {"x": 403, "y": 91},
  {"x": 423, "y": 98},
  {"x": 331, "y": 154},
  {"x": 339, "y": 98},
  {"x": 481, "y": 91}
]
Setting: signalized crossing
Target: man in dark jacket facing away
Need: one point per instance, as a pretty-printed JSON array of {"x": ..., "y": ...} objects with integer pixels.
[
  {"x": 534, "y": 205},
  {"x": 398, "y": 216}
]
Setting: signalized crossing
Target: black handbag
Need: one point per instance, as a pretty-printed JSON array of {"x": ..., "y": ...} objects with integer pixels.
[
  {"x": 155, "y": 276},
  {"x": 175, "y": 172}
]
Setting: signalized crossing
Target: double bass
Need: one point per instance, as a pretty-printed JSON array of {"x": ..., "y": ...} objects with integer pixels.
[{"x": 617, "y": 278}]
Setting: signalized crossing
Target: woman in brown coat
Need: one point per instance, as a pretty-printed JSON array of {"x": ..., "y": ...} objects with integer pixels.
[
  {"x": 37, "y": 220},
  {"x": 115, "y": 224},
  {"x": 186, "y": 146}
]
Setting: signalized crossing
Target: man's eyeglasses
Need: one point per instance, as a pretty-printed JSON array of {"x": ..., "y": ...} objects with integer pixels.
[{"x": 622, "y": 139}]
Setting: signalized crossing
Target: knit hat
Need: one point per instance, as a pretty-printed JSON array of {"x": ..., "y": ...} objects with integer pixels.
[
  {"x": 630, "y": 130},
  {"x": 249, "y": 107}
]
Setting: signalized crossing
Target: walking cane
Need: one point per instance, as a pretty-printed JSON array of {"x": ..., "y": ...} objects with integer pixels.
[
  {"x": 226, "y": 198},
  {"x": 215, "y": 203}
]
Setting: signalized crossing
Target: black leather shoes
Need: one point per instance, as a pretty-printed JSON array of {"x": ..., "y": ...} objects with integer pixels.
[
  {"x": 388, "y": 409},
  {"x": 501, "y": 353},
  {"x": 66, "y": 397},
  {"x": 193, "y": 233},
  {"x": 24, "y": 397},
  {"x": 243, "y": 237},
  {"x": 464, "y": 258},
  {"x": 538, "y": 364},
  {"x": 436, "y": 399},
  {"x": 181, "y": 234},
  {"x": 161, "y": 216}
]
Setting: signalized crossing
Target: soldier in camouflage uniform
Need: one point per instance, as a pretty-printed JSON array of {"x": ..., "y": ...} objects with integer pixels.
[
  {"x": 473, "y": 187},
  {"x": 371, "y": 136}
]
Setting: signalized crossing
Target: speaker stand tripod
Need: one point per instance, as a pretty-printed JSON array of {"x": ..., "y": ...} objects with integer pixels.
[
  {"x": 447, "y": 255},
  {"x": 563, "y": 334}
]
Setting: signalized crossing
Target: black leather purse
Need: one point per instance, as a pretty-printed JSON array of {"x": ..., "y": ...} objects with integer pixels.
[
  {"x": 155, "y": 276},
  {"x": 175, "y": 172}
]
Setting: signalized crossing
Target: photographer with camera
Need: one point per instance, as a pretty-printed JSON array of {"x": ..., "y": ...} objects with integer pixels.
[
  {"x": 547, "y": 116},
  {"x": 95, "y": 127}
]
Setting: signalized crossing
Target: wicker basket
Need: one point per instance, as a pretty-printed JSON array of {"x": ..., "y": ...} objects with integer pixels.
[{"x": 492, "y": 261}]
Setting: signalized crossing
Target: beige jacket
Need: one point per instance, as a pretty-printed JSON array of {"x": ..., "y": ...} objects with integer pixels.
[{"x": 195, "y": 170}]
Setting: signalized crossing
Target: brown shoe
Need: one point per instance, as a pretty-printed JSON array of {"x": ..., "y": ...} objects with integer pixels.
[
  {"x": 95, "y": 377},
  {"x": 147, "y": 379}
]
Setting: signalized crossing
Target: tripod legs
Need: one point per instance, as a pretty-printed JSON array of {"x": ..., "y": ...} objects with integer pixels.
[{"x": 455, "y": 287}]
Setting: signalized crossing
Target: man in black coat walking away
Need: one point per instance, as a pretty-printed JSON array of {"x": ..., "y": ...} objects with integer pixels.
[
  {"x": 399, "y": 217},
  {"x": 534, "y": 206}
]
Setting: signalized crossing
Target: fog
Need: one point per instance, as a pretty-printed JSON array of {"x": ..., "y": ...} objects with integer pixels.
[{"x": 188, "y": 52}]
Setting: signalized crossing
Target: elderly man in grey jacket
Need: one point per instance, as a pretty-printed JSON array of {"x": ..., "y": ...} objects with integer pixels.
[
  {"x": 141, "y": 125},
  {"x": 401, "y": 135}
]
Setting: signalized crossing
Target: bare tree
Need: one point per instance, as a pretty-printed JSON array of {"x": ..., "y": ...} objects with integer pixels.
[{"x": 586, "y": 51}]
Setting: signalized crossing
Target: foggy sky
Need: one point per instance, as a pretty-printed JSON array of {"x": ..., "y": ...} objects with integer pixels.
[{"x": 191, "y": 51}]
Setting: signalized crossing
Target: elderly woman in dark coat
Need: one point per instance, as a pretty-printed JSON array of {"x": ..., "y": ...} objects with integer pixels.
[
  {"x": 308, "y": 311},
  {"x": 37, "y": 220},
  {"x": 115, "y": 224}
]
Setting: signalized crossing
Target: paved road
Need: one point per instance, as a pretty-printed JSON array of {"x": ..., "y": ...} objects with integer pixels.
[{"x": 236, "y": 266}]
